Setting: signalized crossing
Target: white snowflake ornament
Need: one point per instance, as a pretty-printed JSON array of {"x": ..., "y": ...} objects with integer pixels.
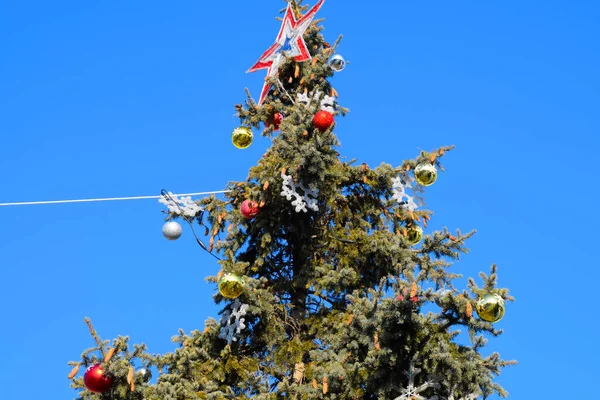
[
  {"x": 184, "y": 206},
  {"x": 400, "y": 195},
  {"x": 230, "y": 328},
  {"x": 399, "y": 186},
  {"x": 302, "y": 98},
  {"x": 302, "y": 201},
  {"x": 327, "y": 102},
  {"x": 411, "y": 392}
]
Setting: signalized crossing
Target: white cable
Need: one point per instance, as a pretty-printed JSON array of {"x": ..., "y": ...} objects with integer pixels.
[{"x": 27, "y": 203}]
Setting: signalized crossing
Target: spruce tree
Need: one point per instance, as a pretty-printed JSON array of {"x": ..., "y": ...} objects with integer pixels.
[{"x": 343, "y": 298}]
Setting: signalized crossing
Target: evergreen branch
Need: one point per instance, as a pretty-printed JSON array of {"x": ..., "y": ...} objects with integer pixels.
[
  {"x": 335, "y": 44},
  {"x": 345, "y": 241},
  {"x": 95, "y": 335},
  {"x": 295, "y": 9},
  {"x": 250, "y": 99}
]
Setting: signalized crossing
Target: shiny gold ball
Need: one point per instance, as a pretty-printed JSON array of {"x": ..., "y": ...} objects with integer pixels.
[
  {"x": 490, "y": 308},
  {"x": 414, "y": 234},
  {"x": 425, "y": 173},
  {"x": 242, "y": 137},
  {"x": 231, "y": 286}
]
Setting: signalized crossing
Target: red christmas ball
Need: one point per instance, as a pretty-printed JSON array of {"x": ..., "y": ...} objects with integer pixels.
[
  {"x": 95, "y": 380},
  {"x": 249, "y": 208},
  {"x": 275, "y": 120},
  {"x": 323, "y": 120}
]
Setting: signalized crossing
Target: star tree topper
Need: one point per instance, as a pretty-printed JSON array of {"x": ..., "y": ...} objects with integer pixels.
[{"x": 289, "y": 42}]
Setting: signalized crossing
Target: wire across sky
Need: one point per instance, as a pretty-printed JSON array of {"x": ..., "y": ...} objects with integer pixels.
[{"x": 31, "y": 203}]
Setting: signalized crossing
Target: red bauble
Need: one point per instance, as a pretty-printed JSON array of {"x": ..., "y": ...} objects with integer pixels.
[
  {"x": 95, "y": 380},
  {"x": 249, "y": 208},
  {"x": 323, "y": 120},
  {"x": 275, "y": 120}
]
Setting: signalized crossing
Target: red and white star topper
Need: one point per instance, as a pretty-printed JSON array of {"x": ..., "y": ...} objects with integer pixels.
[{"x": 289, "y": 41}]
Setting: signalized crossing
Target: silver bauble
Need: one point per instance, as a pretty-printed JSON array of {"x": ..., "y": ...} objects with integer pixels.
[
  {"x": 145, "y": 374},
  {"x": 440, "y": 294},
  {"x": 171, "y": 230},
  {"x": 337, "y": 62}
]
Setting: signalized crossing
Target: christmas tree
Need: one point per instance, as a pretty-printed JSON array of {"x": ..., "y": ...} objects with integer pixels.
[{"x": 329, "y": 287}]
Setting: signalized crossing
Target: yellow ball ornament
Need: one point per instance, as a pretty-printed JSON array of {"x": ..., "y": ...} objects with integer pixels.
[
  {"x": 425, "y": 173},
  {"x": 242, "y": 137},
  {"x": 414, "y": 234},
  {"x": 231, "y": 286},
  {"x": 490, "y": 307}
]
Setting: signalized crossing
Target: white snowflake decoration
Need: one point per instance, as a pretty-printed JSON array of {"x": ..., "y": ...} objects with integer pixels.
[
  {"x": 399, "y": 186},
  {"x": 302, "y": 98},
  {"x": 327, "y": 103},
  {"x": 184, "y": 205},
  {"x": 401, "y": 196},
  {"x": 413, "y": 393},
  {"x": 231, "y": 328},
  {"x": 302, "y": 201}
]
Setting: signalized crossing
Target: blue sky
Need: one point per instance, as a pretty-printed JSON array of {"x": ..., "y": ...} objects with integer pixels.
[{"x": 103, "y": 99}]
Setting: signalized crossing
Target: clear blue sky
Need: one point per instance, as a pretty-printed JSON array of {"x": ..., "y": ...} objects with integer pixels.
[{"x": 126, "y": 98}]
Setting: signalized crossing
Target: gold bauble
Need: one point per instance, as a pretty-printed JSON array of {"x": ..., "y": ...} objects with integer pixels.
[
  {"x": 425, "y": 173},
  {"x": 490, "y": 307},
  {"x": 414, "y": 234},
  {"x": 242, "y": 137},
  {"x": 231, "y": 286}
]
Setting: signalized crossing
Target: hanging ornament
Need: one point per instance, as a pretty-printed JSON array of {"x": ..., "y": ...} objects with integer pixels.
[
  {"x": 249, "y": 209},
  {"x": 326, "y": 103},
  {"x": 323, "y": 120},
  {"x": 184, "y": 205},
  {"x": 441, "y": 294},
  {"x": 425, "y": 173},
  {"x": 289, "y": 43},
  {"x": 145, "y": 374},
  {"x": 306, "y": 199},
  {"x": 337, "y": 62},
  {"x": 406, "y": 201},
  {"x": 275, "y": 120},
  {"x": 229, "y": 328},
  {"x": 242, "y": 137},
  {"x": 171, "y": 230},
  {"x": 414, "y": 234},
  {"x": 95, "y": 380},
  {"x": 490, "y": 307},
  {"x": 231, "y": 286}
]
